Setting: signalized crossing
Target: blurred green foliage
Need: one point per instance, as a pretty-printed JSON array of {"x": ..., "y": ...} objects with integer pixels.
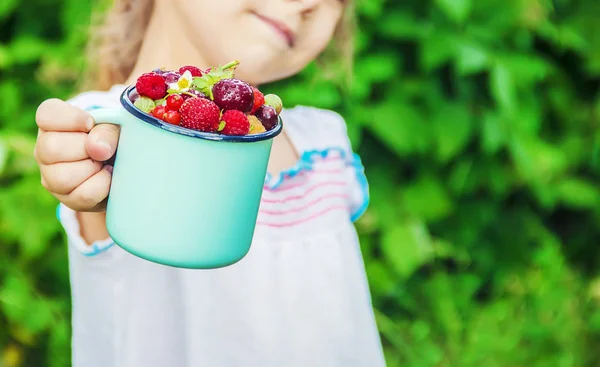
[{"x": 478, "y": 124}]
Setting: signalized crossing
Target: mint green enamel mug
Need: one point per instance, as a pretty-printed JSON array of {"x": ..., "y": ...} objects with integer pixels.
[{"x": 181, "y": 197}]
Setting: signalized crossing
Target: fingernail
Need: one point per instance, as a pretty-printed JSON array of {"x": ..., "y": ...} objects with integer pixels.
[
  {"x": 109, "y": 168},
  {"x": 105, "y": 145}
]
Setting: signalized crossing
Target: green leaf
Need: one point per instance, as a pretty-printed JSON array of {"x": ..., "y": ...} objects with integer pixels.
[
  {"x": 7, "y": 7},
  {"x": 578, "y": 193},
  {"x": 378, "y": 67},
  {"x": 381, "y": 279},
  {"x": 436, "y": 50},
  {"x": 26, "y": 49},
  {"x": 3, "y": 155},
  {"x": 427, "y": 199},
  {"x": 401, "y": 25},
  {"x": 471, "y": 58},
  {"x": 503, "y": 88},
  {"x": 398, "y": 126},
  {"x": 453, "y": 129},
  {"x": 407, "y": 246},
  {"x": 456, "y": 10},
  {"x": 145, "y": 104},
  {"x": 493, "y": 132}
]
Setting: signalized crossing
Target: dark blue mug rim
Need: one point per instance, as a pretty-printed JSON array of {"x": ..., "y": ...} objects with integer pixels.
[{"x": 128, "y": 105}]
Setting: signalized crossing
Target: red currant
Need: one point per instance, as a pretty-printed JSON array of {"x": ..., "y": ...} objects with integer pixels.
[
  {"x": 173, "y": 117},
  {"x": 159, "y": 112},
  {"x": 174, "y": 102}
]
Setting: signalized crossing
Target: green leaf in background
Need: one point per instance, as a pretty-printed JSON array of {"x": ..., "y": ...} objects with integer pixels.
[
  {"x": 471, "y": 58},
  {"x": 437, "y": 49},
  {"x": 453, "y": 126},
  {"x": 407, "y": 246},
  {"x": 3, "y": 155},
  {"x": 502, "y": 87},
  {"x": 579, "y": 194},
  {"x": 426, "y": 198},
  {"x": 493, "y": 133},
  {"x": 457, "y": 10},
  {"x": 7, "y": 7}
]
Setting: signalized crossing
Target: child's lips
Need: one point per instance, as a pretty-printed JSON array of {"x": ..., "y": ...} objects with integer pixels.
[{"x": 288, "y": 35}]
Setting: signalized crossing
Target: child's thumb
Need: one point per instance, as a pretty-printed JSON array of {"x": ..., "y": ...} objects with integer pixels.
[{"x": 102, "y": 140}]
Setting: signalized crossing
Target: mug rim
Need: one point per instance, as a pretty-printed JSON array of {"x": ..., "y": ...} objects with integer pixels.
[{"x": 129, "y": 107}]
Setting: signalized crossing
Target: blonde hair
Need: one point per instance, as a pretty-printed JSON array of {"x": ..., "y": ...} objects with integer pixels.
[{"x": 117, "y": 34}]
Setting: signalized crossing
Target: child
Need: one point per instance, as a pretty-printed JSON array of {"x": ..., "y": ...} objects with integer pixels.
[{"x": 300, "y": 297}]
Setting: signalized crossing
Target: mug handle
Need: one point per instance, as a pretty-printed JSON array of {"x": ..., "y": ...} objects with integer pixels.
[{"x": 110, "y": 115}]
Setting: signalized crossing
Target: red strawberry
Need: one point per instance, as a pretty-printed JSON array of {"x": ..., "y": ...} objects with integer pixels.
[
  {"x": 193, "y": 69},
  {"x": 159, "y": 112},
  {"x": 174, "y": 102},
  {"x": 151, "y": 85},
  {"x": 236, "y": 123},
  {"x": 200, "y": 114},
  {"x": 173, "y": 117},
  {"x": 259, "y": 99}
]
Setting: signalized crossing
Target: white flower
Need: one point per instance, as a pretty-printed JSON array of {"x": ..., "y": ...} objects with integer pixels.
[{"x": 184, "y": 82}]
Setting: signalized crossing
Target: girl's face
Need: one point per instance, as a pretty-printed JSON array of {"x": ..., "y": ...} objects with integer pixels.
[{"x": 272, "y": 39}]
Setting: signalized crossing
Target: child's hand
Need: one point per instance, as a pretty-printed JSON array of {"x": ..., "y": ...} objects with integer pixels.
[{"x": 70, "y": 151}]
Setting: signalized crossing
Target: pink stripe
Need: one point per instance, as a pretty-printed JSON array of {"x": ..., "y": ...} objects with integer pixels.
[
  {"x": 308, "y": 191},
  {"x": 296, "y": 222},
  {"x": 304, "y": 173},
  {"x": 300, "y": 208}
]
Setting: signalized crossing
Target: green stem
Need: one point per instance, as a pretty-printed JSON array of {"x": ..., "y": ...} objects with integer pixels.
[{"x": 231, "y": 64}]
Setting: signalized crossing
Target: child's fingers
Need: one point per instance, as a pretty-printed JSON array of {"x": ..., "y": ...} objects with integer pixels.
[
  {"x": 63, "y": 178},
  {"x": 56, "y": 115},
  {"x": 90, "y": 195},
  {"x": 54, "y": 147},
  {"x": 102, "y": 140}
]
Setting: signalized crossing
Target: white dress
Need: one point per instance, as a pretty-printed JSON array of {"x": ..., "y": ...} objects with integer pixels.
[{"x": 299, "y": 298}]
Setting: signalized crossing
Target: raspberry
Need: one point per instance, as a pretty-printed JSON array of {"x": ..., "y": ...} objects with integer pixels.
[
  {"x": 151, "y": 85},
  {"x": 200, "y": 114},
  {"x": 255, "y": 125},
  {"x": 174, "y": 102},
  {"x": 236, "y": 123},
  {"x": 194, "y": 70},
  {"x": 259, "y": 99},
  {"x": 267, "y": 116}
]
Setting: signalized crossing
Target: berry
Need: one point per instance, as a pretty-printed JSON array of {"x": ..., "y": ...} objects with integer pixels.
[
  {"x": 151, "y": 85},
  {"x": 200, "y": 114},
  {"x": 236, "y": 123},
  {"x": 172, "y": 117},
  {"x": 259, "y": 99},
  {"x": 194, "y": 70},
  {"x": 196, "y": 93},
  {"x": 233, "y": 94},
  {"x": 174, "y": 102},
  {"x": 171, "y": 77},
  {"x": 159, "y": 112},
  {"x": 267, "y": 116},
  {"x": 274, "y": 101},
  {"x": 255, "y": 125}
]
